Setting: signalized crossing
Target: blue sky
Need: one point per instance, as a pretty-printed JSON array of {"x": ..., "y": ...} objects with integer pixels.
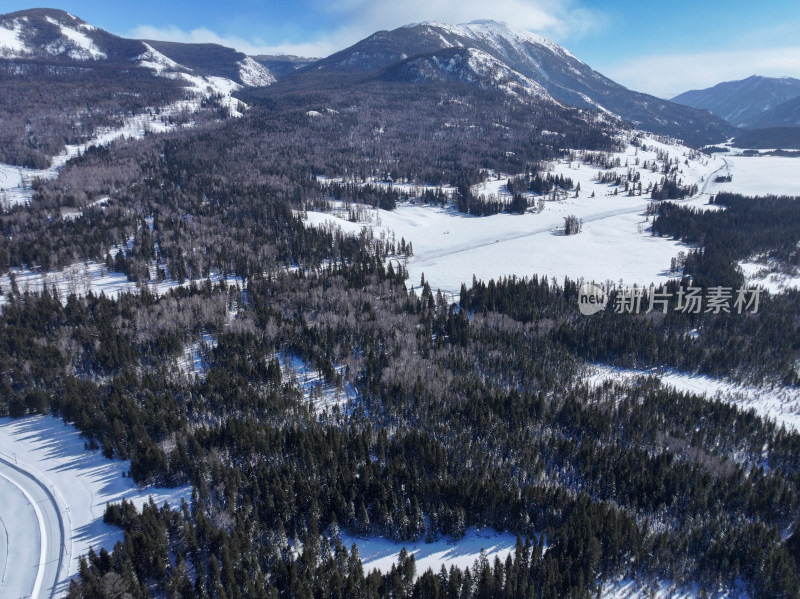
[{"x": 661, "y": 48}]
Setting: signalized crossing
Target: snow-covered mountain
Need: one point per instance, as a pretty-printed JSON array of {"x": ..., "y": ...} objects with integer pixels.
[
  {"x": 745, "y": 103},
  {"x": 55, "y": 35},
  {"x": 488, "y": 54},
  {"x": 783, "y": 115},
  {"x": 469, "y": 65},
  {"x": 555, "y": 69}
]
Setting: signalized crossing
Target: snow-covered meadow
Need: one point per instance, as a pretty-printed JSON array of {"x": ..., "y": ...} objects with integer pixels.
[
  {"x": 616, "y": 242},
  {"x": 614, "y": 245}
]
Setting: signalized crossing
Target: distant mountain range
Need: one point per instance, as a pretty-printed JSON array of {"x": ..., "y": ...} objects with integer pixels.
[
  {"x": 54, "y": 35},
  {"x": 490, "y": 55},
  {"x": 752, "y": 103},
  {"x": 520, "y": 62}
]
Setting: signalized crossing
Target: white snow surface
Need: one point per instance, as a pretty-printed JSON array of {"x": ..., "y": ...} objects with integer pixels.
[
  {"x": 82, "y": 46},
  {"x": 81, "y": 481},
  {"x": 509, "y": 80},
  {"x": 780, "y": 404},
  {"x": 254, "y": 74},
  {"x": 760, "y": 175},
  {"x": 153, "y": 59},
  {"x": 381, "y": 554},
  {"x": 498, "y": 34},
  {"x": 11, "y": 43}
]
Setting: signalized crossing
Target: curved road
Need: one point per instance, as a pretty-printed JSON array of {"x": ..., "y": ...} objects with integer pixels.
[{"x": 31, "y": 536}]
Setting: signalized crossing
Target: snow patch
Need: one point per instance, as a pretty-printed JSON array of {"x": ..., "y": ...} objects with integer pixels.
[
  {"x": 322, "y": 396},
  {"x": 82, "y": 47},
  {"x": 11, "y": 44},
  {"x": 771, "y": 274},
  {"x": 254, "y": 74},
  {"x": 155, "y": 60},
  {"x": 781, "y": 404},
  {"x": 381, "y": 554}
]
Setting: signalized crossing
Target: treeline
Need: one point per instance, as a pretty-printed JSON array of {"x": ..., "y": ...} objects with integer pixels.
[
  {"x": 656, "y": 330},
  {"x": 745, "y": 227}
]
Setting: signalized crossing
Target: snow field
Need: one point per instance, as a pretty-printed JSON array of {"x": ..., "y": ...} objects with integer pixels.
[
  {"x": 615, "y": 244},
  {"x": 760, "y": 175},
  {"x": 780, "y": 404}
]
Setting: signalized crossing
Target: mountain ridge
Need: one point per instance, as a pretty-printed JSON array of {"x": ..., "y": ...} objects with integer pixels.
[
  {"x": 53, "y": 34},
  {"x": 745, "y": 102},
  {"x": 512, "y": 61},
  {"x": 566, "y": 78}
]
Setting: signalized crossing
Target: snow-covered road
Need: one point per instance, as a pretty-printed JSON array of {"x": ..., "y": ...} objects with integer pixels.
[
  {"x": 67, "y": 489},
  {"x": 33, "y": 534}
]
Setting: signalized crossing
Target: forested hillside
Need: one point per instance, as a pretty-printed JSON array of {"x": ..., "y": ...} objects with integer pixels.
[{"x": 459, "y": 412}]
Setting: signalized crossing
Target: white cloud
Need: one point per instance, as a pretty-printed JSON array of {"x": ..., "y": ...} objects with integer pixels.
[
  {"x": 669, "y": 75},
  {"x": 551, "y": 18},
  {"x": 556, "y": 19},
  {"x": 252, "y": 46}
]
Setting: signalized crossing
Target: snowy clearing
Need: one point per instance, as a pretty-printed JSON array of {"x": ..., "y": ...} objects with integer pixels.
[
  {"x": 322, "y": 396},
  {"x": 90, "y": 276},
  {"x": 760, "y": 175},
  {"x": 381, "y": 554},
  {"x": 771, "y": 274},
  {"x": 615, "y": 244},
  {"x": 781, "y": 404},
  {"x": 81, "y": 483}
]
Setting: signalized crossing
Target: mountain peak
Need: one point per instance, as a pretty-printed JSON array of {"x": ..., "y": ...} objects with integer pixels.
[
  {"x": 47, "y": 32},
  {"x": 498, "y": 34},
  {"x": 43, "y": 13}
]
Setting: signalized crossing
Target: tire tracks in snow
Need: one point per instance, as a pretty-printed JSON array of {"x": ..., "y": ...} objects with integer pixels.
[{"x": 533, "y": 232}]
